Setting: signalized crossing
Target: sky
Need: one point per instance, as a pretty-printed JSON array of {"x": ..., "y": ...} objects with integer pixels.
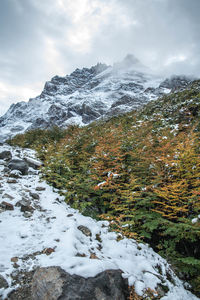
[{"x": 43, "y": 38}]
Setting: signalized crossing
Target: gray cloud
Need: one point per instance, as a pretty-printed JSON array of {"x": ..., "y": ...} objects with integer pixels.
[{"x": 42, "y": 38}]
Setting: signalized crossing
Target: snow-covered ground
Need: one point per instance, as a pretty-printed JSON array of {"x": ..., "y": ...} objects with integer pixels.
[{"x": 81, "y": 245}]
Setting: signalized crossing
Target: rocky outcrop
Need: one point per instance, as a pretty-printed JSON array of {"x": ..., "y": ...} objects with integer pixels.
[
  {"x": 176, "y": 82},
  {"x": 53, "y": 283}
]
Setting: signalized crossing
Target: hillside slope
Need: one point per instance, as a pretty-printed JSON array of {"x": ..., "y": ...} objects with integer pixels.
[{"x": 139, "y": 170}]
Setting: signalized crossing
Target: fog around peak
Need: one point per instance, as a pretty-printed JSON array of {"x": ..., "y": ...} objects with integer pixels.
[{"x": 130, "y": 62}]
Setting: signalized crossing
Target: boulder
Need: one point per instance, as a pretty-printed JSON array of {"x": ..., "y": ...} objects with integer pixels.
[
  {"x": 53, "y": 283},
  {"x": 86, "y": 231},
  {"x": 6, "y": 155},
  {"x": 20, "y": 165}
]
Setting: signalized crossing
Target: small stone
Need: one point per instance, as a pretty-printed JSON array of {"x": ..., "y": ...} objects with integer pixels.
[
  {"x": 34, "y": 196},
  {"x": 98, "y": 237},
  {"x": 48, "y": 251},
  {"x": 16, "y": 266},
  {"x": 81, "y": 254},
  {"x": 27, "y": 208},
  {"x": 14, "y": 259},
  {"x": 86, "y": 231},
  {"x": 93, "y": 256},
  {"x": 3, "y": 283},
  {"x": 7, "y": 206},
  {"x": 40, "y": 188},
  {"x": 70, "y": 215},
  {"x": 12, "y": 181},
  {"x": 27, "y": 214}
]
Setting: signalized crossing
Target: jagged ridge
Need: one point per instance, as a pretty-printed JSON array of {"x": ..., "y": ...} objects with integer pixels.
[{"x": 86, "y": 95}]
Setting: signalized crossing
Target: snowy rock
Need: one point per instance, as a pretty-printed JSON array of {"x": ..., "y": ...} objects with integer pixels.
[
  {"x": 7, "y": 206},
  {"x": 33, "y": 163},
  {"x": 14, "y": 173},
  {"x": 40, "y": 188},
  {"x": 32, "y": 171},
  {"x": 5, "y": 155},
  {"x": 18, "y": 164},
  {"x": 34, "y": 196},
  {"x": 12, "y": 181},
  {"x": 86, "y": 231},
  {"x": 25, "y": 205},
  {"x": 54, "y": 283}
]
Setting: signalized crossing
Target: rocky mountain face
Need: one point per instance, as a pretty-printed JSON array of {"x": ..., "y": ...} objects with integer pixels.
[{"x": 88, "y": 94}]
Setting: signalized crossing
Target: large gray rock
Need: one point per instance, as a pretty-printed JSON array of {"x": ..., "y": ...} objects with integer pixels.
[
  {"x": 20, "y": 165},
  {"x": 53, "y": 283}
]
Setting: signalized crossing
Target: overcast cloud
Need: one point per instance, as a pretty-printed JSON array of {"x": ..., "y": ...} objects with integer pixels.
[{"x": 42, "y": 38}]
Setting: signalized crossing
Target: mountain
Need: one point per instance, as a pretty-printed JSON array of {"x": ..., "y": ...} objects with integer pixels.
[
  {"x": 140, "y": 171},
  {"x": 88, "y": 94}
]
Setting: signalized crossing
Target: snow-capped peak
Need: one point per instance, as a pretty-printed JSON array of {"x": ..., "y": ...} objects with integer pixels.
[
  {"x": 130, "y": 62},
  {"x": 84, "y": 96}
]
